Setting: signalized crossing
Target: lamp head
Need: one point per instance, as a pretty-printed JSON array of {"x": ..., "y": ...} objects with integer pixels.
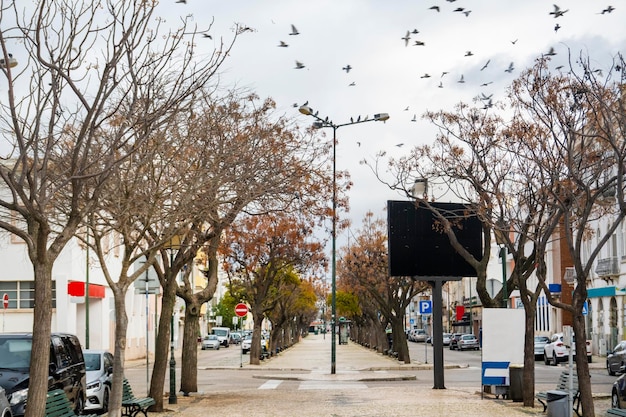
[
  {"x": 12, "y": 62},
  {"x": 381, "y": 117},
  {"x": 306, "y": 110}
]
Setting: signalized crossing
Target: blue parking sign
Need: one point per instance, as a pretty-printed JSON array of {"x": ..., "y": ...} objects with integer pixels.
[{"x": 426, "y": 307}]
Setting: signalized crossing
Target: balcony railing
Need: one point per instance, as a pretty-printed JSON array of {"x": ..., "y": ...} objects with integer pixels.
[{"x": 607, "y": 266}]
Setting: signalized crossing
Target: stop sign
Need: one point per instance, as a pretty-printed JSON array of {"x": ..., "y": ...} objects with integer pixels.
[
  {"x": 241, "y": 310},
  {"x": 5, "y": 300}
]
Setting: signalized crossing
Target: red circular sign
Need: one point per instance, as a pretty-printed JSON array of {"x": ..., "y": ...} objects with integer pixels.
[
  {"x": 5, "y": 300},
  {"x": 241, "y": 310}
]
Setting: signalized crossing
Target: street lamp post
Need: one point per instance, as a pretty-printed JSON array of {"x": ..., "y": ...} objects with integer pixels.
[
  {"x": 172, "y": 398},
  {"x": 322, "y": 123}
]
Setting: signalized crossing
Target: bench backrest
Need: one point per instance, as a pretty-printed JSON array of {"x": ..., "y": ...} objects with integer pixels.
[
  {"x": 563, "y": 384},
  {"x": 57, "y": 404},
  {"x": 127, "y": 391}
]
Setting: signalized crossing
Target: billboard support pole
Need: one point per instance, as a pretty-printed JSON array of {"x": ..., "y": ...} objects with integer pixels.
[{"x": 437, "y": 335}]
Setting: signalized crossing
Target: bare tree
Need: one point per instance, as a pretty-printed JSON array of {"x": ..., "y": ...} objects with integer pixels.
[
  {"x": 579, "y": 127},
  {"x": 97, "y": 79}
]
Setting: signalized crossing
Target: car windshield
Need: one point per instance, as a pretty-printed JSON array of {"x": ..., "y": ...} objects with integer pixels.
[
  {"x": 92, "y": 361},
  {"x": 211, "y": 337},
  {"x": 220, "y": 332},
  {"x": 542, "y": 339},
  {"x": 15, "y": 353},
  {"x": 467, "y": 337}
]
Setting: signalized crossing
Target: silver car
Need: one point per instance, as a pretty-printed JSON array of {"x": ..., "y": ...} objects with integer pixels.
[
  {"x": 99, "y": 366},
  {"x": 540, "y": 343},
  {"x": 211, "y": 342},
  {"x": 5, "y": 407}
]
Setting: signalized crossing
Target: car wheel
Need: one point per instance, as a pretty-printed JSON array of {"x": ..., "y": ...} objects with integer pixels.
[
  {"x": 545, "y": 358},
  {"x": 608, "y": 368},
  {"x": 614, "y": 399},
  {"x": 105, "y": 400},
  {"x": 202, "y": 347},
  {"x": 554, "y": 361}
]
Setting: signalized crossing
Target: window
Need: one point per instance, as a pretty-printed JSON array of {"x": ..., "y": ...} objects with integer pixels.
[{"x": 22, "y": 293}]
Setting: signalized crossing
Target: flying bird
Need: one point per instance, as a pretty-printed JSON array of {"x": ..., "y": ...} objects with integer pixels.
[
  {"x": 486, "y": 63},
  {"x": 282, "y": 44},
  {"x": 443, "y": 73},
  {"x": 414, "y": 119},
  {"x": 399, "y": 145},
  {"x": 440, "y": 84},
  {"x": 510, "y": 68},
  {"x": 294, "y": 31},
  {"x": 407, "y": 38},
  {"x": 415, "y": 31},
  {"x": 514, "y": 42},
  {"x": 434, "y": 8},
  {"x": 352, "y": 84},
  {"x": 557, "y": 27},
  {"x": 426, "y": 75},
  {"x": 299, "y": 65},
  {"x": 488, "y": 105},
  {"x": 467, "y": 12},
  {"x": 557, "y": 12},
  {"x": 461, "y": 80},
  {"x": 551, "y": 52},
  {"x": 419, "y": 43},
  {"x": 485, "y": 97},
  {"x": 486, "y": 84},
  {"x": 609, "y": 9},
  {"x": 469, "y": 53},
  {"x": 458, "y": 9},
  {"x": 181, "y": 1},
  {"x": 407, "y": 108},
  {"x": 347, "y": 68},
  {"x": 206, "y": 35}
]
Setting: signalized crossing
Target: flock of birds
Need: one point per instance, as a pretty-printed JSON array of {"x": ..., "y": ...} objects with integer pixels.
[{"x": 414, "y": 38}]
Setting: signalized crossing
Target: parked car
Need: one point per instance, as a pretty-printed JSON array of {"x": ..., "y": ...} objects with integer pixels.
[
  {"x": 235, "y": 338},
  {"x": 67, "y": 369},
  {"x": 99, "y": 367},
  {"x": 223, "y": 334},
  {"x": 454, "y": 340},
  {"x": 419, "y": 335},
  {"x": 211, "y": 342},
  {"x": 618, "y": 392},
  {"x": 540, "y": 343},
  {"x": 5, "y": 407},
  {"x": 616, "y": 359},
  {"x": 467, "y": 342},
  {"x": 556, "y": 351},
  {"x": 246, "y": 343},
  {"x": 445, "y": 339}
]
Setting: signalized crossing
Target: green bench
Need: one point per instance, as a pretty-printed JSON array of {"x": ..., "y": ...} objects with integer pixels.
[
  {"x": 616, "y": 412},
  {"x": 563, "y": 385},
  {"x": 132, "y": 405},
  {"x": 58, "y": 405}
]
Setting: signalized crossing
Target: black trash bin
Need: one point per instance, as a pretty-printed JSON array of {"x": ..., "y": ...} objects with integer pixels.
[
  {"x": 557, "y": 403},
  {"x": 516, "y": 373}
]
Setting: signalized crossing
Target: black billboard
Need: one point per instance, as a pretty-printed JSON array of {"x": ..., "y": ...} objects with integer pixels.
[{"x": 419, "y": 248}]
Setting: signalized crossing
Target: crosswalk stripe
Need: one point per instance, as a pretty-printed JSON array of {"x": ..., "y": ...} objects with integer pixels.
[
  {"x": 271, "y": 384},
  {"x": 321, "y": 385}
]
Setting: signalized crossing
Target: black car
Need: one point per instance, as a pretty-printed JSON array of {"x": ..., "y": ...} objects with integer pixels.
[
  {"x": 616, "y": 359},
  {"x": 618, "y": 393},
  {"x": 67, "y": 368}
]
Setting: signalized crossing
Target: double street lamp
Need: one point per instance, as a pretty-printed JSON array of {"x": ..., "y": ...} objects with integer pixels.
[{"x": 319, "y": 124}]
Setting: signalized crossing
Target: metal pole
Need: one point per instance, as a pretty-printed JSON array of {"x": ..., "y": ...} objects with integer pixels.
[
  {"x": 87, "y": 292},
  {"x": 437, "y": 334},
  {"x": 241, "y": 345},
  {"x": 333, "y": 302},
  {"x": 147, "y": 336},
  {"x": 505, "y": 297},
  {"x": 172, "y": 397}
]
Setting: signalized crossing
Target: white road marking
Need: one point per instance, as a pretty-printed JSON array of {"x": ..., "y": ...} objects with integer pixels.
[
  {"x": 321, "y": 385},
  {"x": 271, "y": 384}
]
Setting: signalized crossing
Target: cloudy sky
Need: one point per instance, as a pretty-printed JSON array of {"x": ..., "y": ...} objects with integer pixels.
[{"x": 402, "y": 77}]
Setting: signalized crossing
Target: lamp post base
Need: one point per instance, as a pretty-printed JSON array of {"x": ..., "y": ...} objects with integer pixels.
[{"x": 172, "y": 399}]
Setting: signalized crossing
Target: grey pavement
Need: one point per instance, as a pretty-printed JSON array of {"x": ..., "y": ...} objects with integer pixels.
[{"x": 336, "y": 395}]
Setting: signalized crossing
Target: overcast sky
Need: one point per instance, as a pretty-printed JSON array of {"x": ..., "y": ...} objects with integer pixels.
[{"x": 388, "y": 73}]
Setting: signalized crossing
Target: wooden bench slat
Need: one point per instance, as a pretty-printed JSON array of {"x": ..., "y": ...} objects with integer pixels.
[
  {"x": 133, "y": 405},
  {"x": 616, "y": 412},
  {"x": 563, "y": 385},
  {"x": 58, "y": 405}
]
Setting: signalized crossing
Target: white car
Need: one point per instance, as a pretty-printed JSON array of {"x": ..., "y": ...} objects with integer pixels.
[
  {"x": 246, "y": 343},
  {"x": 556, "y": 351},
  {"x": 99, "y": 367}
]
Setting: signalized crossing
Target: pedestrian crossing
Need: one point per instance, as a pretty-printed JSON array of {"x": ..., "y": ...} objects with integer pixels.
[{"x": 316, "y": 385}]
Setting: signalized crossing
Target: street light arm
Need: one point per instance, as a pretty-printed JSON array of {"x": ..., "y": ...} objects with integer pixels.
[{"x": 308, "y": 111}]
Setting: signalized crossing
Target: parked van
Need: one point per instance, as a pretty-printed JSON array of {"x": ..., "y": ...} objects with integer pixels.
[
  {"x": 67, "y": 368},
  {"x": 223, "y": 334}
]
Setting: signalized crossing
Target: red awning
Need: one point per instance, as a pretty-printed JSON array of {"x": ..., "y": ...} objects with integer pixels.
[{"x": 77, "y": 289}]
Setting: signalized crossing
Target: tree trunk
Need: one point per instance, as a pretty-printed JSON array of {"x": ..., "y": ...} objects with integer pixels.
[
  {"x": 161, "y": 349},
  {"x": 255, "y": 347},
  {"x": 189, "y": 368},
  {"x": 121, "y": 327},
  {"x": 528, "y": 376},
  {"x": 582, "y": 367},
  {"x": 399, "y": 340},
  {"x": 42, "y": 329}
]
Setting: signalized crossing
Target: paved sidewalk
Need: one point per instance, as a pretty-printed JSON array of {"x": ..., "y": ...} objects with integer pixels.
[{"x": 309, "y": 361}]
